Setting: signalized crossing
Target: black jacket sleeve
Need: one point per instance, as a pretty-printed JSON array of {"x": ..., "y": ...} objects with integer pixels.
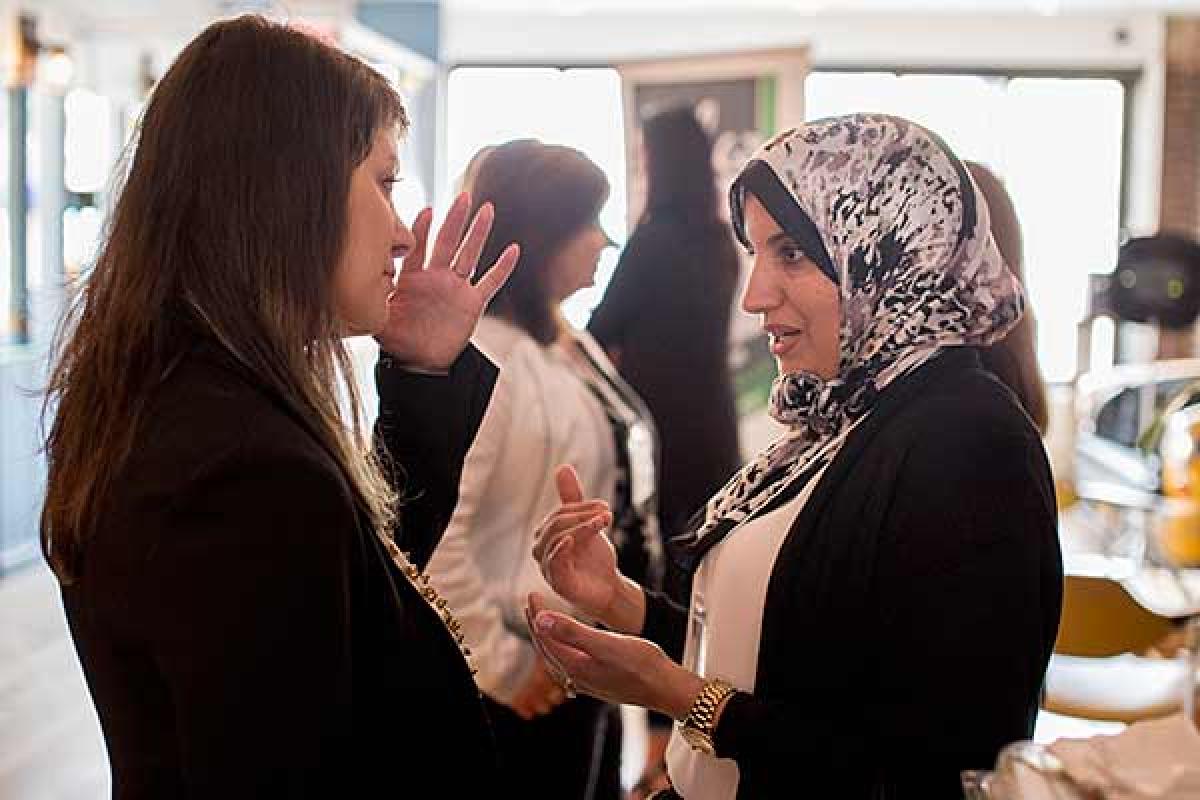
[
  {"x": 425, "y": 427},
  {"x": 969, "y": 582}
]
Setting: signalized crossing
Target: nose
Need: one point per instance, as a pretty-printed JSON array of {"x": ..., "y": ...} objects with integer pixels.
[
  {"x": 402, "y": 239},
  {"x": 762, "y": 289}
]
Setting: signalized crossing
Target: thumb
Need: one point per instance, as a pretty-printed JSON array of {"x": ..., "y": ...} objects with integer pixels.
[{"x": 569, "y": 488}]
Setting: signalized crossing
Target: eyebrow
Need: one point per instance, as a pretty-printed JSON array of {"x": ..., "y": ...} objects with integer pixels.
[{"x": 779, "y": 238}]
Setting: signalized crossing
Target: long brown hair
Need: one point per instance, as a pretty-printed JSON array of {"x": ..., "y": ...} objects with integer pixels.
[
  {"x": 1013, "y": 359},
  {"x": 543, "y": 195},
  {"x": 230, "y": 222}
]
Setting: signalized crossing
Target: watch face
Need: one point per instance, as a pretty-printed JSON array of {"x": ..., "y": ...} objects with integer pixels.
[{"x": 697, "y": 740}]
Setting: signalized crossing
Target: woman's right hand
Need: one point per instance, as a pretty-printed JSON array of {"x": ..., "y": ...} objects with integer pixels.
[
  {"x": 576, "y": 558},
  {"x": 539, "y": 695}
]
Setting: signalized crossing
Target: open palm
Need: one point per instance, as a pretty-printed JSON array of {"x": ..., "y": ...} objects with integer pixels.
[{"x": 435, "y": 306}]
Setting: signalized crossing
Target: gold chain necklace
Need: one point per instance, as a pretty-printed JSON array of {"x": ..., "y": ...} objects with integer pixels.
[{"x": 420, "y": 582}]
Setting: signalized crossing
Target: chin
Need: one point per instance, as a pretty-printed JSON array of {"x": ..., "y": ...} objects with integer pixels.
[
  {"x": 792, "y": 367},
  {"x": 364, "y": 327}
]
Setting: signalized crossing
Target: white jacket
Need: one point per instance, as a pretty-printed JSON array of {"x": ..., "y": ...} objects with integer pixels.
[{"x": 541, "y": 415}]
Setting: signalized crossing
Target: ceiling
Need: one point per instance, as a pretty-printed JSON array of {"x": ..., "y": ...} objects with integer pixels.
[
  {"x": 132, "y": 16},
  {"x": 575, "y": 7}
]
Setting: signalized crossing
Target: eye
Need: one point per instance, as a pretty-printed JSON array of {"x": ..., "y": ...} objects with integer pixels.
[{"x": 790, "y": 254}]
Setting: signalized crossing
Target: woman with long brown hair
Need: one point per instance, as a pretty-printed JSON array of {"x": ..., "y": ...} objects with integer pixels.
[
  {"x": 248, "y": 624},
  {"x": 1013, "y": 359}
]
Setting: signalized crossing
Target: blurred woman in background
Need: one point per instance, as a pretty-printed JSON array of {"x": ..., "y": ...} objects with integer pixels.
[
  {"x": 1013, "y": 359},
  {"x": 557, "y": 399},
  {"x": 665, "y": 318}
]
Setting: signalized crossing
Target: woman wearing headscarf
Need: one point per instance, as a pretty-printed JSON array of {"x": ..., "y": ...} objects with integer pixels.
[
  {"x": 557, "y": 399},
  {"x": 877, "y": 593}
]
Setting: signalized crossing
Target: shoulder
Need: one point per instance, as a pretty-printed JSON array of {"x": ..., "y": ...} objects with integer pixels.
[
  {"x": 212, "y": 432},
  {"x": 964, "y": 403},
  {"x": 506, "y": 345}
]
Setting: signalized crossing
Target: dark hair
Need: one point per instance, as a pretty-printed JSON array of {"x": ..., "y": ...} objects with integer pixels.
[
  {"x": 677, "y": 154},
  {"x": 1013, "y": 359},
  {"x": 230, "y": 225},
  {"x": 543, "y": 196}
]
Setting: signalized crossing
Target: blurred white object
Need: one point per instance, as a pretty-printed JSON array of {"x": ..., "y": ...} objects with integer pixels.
[{"x": 1124, "y": 688}]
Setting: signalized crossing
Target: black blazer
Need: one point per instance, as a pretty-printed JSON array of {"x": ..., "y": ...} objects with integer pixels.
[
  {"x": 913, "y": 606},
  {"x": 242, "y": 630}
]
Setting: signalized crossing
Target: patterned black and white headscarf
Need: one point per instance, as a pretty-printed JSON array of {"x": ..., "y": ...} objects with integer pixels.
[{"x": 892, "y": 217}]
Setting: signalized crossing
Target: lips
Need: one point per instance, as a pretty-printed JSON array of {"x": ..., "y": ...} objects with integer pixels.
[{"x": 782, "y": 337}]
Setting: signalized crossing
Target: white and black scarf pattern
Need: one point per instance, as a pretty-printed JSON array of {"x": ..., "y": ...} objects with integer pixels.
[{"x": 891, "y": 216}]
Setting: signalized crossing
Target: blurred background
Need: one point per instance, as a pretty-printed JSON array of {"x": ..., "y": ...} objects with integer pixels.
[{"x": 1088, "y": 111}]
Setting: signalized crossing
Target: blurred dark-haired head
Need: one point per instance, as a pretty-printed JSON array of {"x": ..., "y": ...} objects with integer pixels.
[
  {"x": 678, "y": 161},
  {"x": 545, "y": 197}
]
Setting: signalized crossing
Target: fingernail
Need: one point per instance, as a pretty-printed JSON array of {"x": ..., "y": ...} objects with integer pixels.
[{"x": 545, "y": 623}]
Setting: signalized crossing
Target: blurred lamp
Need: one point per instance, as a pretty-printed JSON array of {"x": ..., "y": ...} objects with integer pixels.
[
  {"x": 1157, "y": 281},
  {"x": 57, "y": 68}
]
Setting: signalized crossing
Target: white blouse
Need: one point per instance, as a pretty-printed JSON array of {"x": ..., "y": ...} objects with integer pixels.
[
  {"x": 724, "y": 628},
  {"x": 541, "y": 415}
]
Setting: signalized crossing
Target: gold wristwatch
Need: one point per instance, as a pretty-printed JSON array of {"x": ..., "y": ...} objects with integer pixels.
[{"x": 697, "y": 728}]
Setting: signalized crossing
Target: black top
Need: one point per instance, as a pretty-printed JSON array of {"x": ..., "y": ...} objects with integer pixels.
[
  {"x": 914, "y": 604},
  {"x": 667, "y": 311},
  {"x": 243, "y": 631}
]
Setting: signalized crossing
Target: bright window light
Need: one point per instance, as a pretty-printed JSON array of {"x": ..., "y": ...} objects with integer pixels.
[{"x": 1056, "y": 142}]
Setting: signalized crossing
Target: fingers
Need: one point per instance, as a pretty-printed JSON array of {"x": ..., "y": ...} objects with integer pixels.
[
  {"x": 575, "y": 648},
  {"x": 451, "y": 233},
  {"x": 499, "y": 272},
  {"x": 555, "y": 545},
  {"x": 562, "y": 634},
  {"x": 592, "y": 519},
  {"x": 570, "y": 490},
  {"x": 472, "y": 246},
  {"x": 416, "y": 257},
  {"x": 553, "y": 668}
]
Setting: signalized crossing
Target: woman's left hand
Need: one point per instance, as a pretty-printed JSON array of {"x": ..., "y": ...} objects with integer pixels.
[
  {"x": 612, "y": 666},
  {"x": 435, "y": 307}
]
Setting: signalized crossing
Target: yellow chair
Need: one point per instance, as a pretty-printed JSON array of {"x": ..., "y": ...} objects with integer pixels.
[
  {"x": 1100, "y": 618},
  {"x": 1095, "y": 672}
]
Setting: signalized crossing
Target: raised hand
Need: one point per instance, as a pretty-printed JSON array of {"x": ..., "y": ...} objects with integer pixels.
[
  {"x": 576, "y": 558},
  {"x": 435, "y": 306}
]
